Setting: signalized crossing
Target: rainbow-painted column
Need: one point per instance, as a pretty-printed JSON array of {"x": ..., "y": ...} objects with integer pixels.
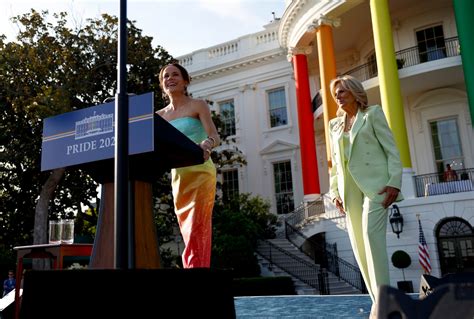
[
  {"x": 464, "y": 10},
  {"x": 390, "y": 92},
  {"x": 327, "y": 72},
  {"x": 309, "y": 163}
]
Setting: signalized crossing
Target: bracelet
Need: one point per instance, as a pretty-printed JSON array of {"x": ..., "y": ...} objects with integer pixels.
[
  {"x": 213, "y": 140},
  {"x": 208, "y": 142}
]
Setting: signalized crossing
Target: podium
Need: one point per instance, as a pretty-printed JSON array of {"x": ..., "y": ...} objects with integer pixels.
[
  {"x": 172, "y": 149},
  {"x": 84, "y": 139}
]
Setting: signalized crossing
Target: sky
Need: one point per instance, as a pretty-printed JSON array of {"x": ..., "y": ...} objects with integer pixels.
[{"x": 179, "y": 26}]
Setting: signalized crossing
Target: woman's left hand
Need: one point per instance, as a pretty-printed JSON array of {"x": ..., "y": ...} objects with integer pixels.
[{"x": 391, "y": 194}]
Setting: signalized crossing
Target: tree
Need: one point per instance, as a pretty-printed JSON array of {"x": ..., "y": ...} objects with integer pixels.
[
  {"x": 52, "y": 69},
  {"x": 401, "y": 260},
  {"x": 237, "y": 226}
]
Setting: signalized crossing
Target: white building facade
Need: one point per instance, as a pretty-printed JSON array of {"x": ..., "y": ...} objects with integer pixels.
[{"x": 408, "y": 56}]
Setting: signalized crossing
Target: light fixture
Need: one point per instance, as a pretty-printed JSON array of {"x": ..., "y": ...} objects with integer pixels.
[{"x": 396, "y": 220}]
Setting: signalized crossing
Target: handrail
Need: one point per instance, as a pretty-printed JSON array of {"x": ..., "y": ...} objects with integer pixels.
[
  {"x": 309, "y": 273},
  {"x": 327, "y": 255},
  {"x": 305, "y": 211}
]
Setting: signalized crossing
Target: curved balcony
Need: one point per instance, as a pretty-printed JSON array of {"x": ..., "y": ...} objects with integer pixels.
[{"x": 409, "y": 57}]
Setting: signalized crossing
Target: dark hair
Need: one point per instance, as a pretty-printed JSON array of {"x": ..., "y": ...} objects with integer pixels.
[{"x": 184, "y": 74}]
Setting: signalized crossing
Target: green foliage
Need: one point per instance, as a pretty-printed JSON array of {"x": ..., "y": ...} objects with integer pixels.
[
  {"x": 237, "y": 225},
  {"x": 51, "y": 69},
  {"x": 86, "y": 223},
  {"x": 164, "y": 217},
  {"x": 168, "y": 259}
]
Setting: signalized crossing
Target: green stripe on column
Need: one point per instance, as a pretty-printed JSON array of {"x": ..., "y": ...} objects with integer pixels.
[
  {"x": 464, "y": 11},
  {"x": 390, "y": 92}
]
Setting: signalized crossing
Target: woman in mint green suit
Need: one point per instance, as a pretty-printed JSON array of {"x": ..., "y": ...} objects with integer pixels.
[{"x": 365, "y": 177}]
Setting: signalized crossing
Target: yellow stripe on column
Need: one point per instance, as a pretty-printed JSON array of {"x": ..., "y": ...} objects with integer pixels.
[{"x": 390, "y": 93}]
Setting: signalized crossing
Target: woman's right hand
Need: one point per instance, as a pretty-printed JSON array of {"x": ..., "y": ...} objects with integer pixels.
[
  {"x": 339, "y": 205},
  {"x": 207, "y": 149}
]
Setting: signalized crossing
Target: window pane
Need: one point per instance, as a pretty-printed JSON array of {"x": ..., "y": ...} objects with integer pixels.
[
  {"x": 230, "y": 185},
  {"x": 446, "y": 144},
  {"x": 277, "y": 107},
  {"x": 227, "y": 113},
  {"x": 429, "y": 33},
  {"x": 283, "y": 187},
  {"x": 372, "y": 65},
  {"x": 431, "y": 44}
]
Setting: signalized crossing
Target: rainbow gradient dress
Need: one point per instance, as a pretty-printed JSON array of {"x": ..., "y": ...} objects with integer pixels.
[{"x": 194, "y": 190}]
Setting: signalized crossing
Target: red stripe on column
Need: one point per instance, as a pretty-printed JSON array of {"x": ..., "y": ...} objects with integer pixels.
[{"x": 306, "y": 127}]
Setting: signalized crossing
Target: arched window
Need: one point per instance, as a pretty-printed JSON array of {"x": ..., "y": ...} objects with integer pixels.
[{"x": 455, "y": 245}]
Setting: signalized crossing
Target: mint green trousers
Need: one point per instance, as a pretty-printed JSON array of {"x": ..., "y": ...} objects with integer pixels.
[{"x": 367, "y": 227}]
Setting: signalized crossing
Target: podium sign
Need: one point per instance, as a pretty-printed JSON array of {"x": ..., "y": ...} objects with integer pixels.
[{"x": 88, "y": 135}]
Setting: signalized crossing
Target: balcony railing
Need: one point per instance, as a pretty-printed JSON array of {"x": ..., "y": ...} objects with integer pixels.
[
  {"x": 435, "y": 184},
  {"x": 306, "y": 211},
  {"x": 409, "y": 57}
]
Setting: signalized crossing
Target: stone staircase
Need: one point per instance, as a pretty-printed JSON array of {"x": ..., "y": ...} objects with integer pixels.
[{"x": 286, "y": 260}]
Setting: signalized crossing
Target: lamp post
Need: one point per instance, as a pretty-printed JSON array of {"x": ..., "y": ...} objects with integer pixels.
[{"x": 396, "y": 220}]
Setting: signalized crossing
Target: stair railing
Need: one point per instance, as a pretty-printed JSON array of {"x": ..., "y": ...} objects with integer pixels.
[
  {"x": 325, "y": 255},
  {"x": 342, "y": 269},
  {"x": 307, "y": 272}
]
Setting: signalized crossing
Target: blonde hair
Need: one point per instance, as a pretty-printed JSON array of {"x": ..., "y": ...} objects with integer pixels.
[{"x": 354, "y": 86}]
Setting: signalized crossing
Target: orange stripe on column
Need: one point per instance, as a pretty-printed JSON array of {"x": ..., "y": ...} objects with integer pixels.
[{"x": 327, "y": 72}]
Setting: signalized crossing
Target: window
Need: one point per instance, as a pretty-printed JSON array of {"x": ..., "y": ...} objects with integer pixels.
[
  {"x": 431, "y": 45},
  {"x": 283, "y": 187},
  {"x": 316, "y": 102},
  {"x": 230, "y": 184},
  {"x": 372, "y": 65},
  {"x": 455, "y": 238},
  {"x": 277, "y": 107},
  {"x": 227, "y": 113},
  {"x": 446, "y": 144}
]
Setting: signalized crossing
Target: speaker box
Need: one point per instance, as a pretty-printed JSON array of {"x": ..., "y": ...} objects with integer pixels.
[
  {"x": 449, "y": 300},
  {"x": 139, "y": 293},
  {"x": 405, "y": 286},
  {"x": 429, "y": 283}
]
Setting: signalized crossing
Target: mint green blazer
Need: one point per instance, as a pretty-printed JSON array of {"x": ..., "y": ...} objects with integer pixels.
[{"x": 373, "y": 157}]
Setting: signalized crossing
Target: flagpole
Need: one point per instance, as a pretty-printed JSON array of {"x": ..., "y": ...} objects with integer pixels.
[
  {"x": 423, "y": 253},
  {"x": 121, "y": 190}
]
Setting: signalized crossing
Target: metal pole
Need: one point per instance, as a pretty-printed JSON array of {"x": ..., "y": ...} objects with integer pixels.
[{"x": 121, "y": 146}]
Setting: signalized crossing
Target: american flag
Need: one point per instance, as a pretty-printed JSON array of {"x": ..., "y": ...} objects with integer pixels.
[{"x": 423, "y": 253}]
